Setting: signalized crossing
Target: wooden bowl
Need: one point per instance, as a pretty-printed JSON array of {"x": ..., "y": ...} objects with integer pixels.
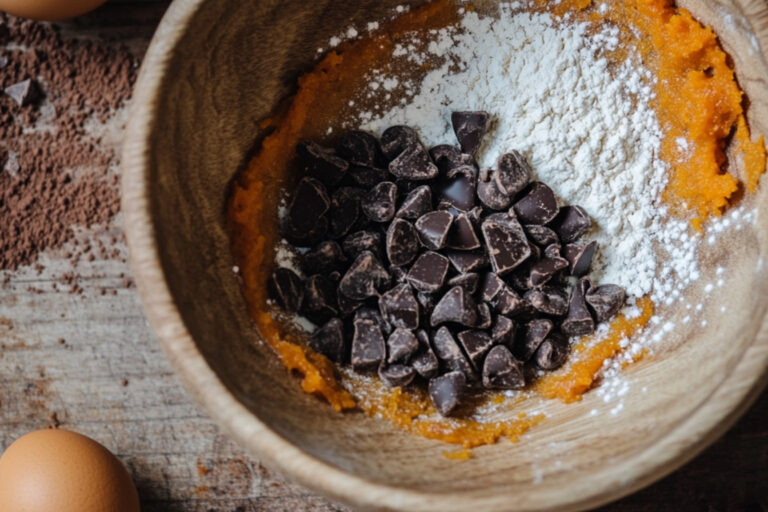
[{"x": 213, "y": 70}]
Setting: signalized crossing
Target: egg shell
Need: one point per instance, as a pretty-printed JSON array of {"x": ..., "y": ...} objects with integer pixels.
[
  {"x": 63, "y": 471},
  {"x": 50, "y": 10}
]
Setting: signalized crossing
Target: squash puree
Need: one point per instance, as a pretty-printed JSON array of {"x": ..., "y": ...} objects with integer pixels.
[{"x": 697, "y": 101}]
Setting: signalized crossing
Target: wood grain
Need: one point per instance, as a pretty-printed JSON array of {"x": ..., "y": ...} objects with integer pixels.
[{"x": 179, "y": 458}]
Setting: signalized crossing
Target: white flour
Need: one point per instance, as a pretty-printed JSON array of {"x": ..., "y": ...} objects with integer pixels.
[{"x": 585, "y": 124}]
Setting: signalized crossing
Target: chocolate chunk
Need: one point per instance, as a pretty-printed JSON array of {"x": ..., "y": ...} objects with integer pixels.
[
  {"x": 320, "y": 300},
  {"x": 368, "y": 348},
  {"x": 492, "y": 196},
  {"x": 321, "y": 163},
  {"x": 287, "y": 289},
  {"x": 446, "y": 391},
  {"x": 329, "y": 340},
  {"x": 605, "y": 301},
  {"x": 401, "y": 345},
  {"x": 367, "y": 177},
  {"x": 414, "y": 164},
  {"x": 449, "y": 352},
  {"x": 347, "y": 306},
  {"x": 429, "y": 271},
  {"x": 300, "y": 238},
  {"x": 425, "y": 361},
  {"x": 491, "y": 286},
  {"x": 505, "y": 242},
  {"x": 503, "y": 331},
  {"x": 379, "y": 204},
  {"x": 365, "y": 278},
  {"x": 433, "y": 229},
  {"x": 543, "y": 270},
  {"x": 476, "y": 215},
  {"x": 402, "y": 242},
  {"x": 361, "y": 241},
  {"x": 460, "y": 188},
  {"x": 501, "y": 370},
  {"x": 579, "y": 256},
  {"x": 549, "y": 300},
  {"x": 416, "y": 203},
  {"x": 534, "y": 334},
  {"x": 553, "y": 251},
  {"x": 326, "y": 257},
  {"x": 462, "y": 236},
  {"x": 455, "y": 306},
  {"x": 513, "y": 173},
  {"x": 374, "y": 315},
  {"x": 396, "y": 139},
  {"x": 470, "y": 128},
  {"x": 447, "y": 157},
  {"x": 359, "y": 148},
  {"x": 538, "y": 206},
  {"x": 427, "y": 301},
  {"x": 571, "y": 223},
  {"x": 552, "y": 353},
  {"x": 520, "y": 278},
  {"x": 345, "y": 209},
  {"x": 465, "y": 262},
  {"x": 24, "y": 93},
  {"x": 579, "y": 321},
  {"x": 508, "y": 302},
  {"x": 476, "y": 344},
  {"x": 541, "y": 235},
  {"x": 399, "y": 307},
  {"x": 310, "y": 203},
  {"x": 398, "y": 274},
  {"x": 469, "y": 282},
  {"x": 396, "y": 375},
  {"x": 484, "y": 318}
]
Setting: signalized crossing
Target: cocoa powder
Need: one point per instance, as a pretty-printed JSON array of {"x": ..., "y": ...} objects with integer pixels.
[{"x": 54, "y": 173}]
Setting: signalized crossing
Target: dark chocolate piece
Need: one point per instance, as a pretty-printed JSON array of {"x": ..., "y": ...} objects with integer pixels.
[
  {"x": 287, "y": 289},
  {"x": 462, "y": 236},
  {"x": 447, "y": 157},
  {"x": 401, "y": 345},
  {"x": 379, "y": 204},
  {"x": 491, "y": 286},
  {"x": 396, "y": 139},
  {"x": 503, "y": 331},
  {"x": 579, "y": 256},
  {"x": 365, "y": 278},
  {"x": 476, "y": 344},
  {"x": 317, "y": 233},
  {"x": 325, "y": 258},
  {"x": 433, "y": 229},
  {"x": 470, "y": 128},
  {"x": 398, "y": 274},
  {"x": 571, "y": 223},
  {"x": 579, "y": 320},
  {"x": 534, "y": 334},
  {"x": 505, "y": 242},
  {"x": 508, "y": 302},
  {"x": 552, "y": 353},
  {"x": 321, "y": 163},
  {"x": 367, "y": 177},
  {"x": 501, "y": 370},
  {"x": 468, "y": 281},
  {"x": 310, "y": 203},
  {"x": 344, "y": 212},
  {"x": 491, "y": 195},
  {"x": 361, "y": 241},
  {"x": 427, "y": 301},
  {"x": 538, "y": 206},
  {"x": 446, "y": 391},
  {"x": 359, "y": 148},
  {"x": 428, "y": 272},
  {"x": 605, "y": 301},
  {"x": 425, "y": 361},
  {"x": 402, "y": 242},
  {"x": 329, "y": 340},
  {"x": 465, "y": 262},
  {"x": 455, "y": 306},
  {"x": 399, "y": 307},
  {"x": 484, "y": 318},
  {"x": 543, "y": 270},
  {"x": 460, "y": 188},
  {"x": 368, "y": 313},
  {"x": 541, "y": 235},
  {"x": 416, "y": 203},
  {"x": 347, "y": 306},
  {"x": 24, "y": 93},
  {"x": 368, "y": 348},
  {"x": 320, "y": 300},
  {"x": 513, "y": 173},
  {"x": 449, "y": 352},
  {"x": 549, "y": 300},
  {"x": 396, "y": 375},
  {"x": 414, "y": 164},
  {"x": 553, "y": 251}
]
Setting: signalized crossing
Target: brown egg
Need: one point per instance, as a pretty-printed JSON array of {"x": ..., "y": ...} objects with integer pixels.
[
  {"x": 48, "y": 9},
  {"x": 57, "y": 470}
]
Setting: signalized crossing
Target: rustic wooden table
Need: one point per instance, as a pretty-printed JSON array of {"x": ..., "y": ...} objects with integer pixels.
[{"x": 88, "y": 362}]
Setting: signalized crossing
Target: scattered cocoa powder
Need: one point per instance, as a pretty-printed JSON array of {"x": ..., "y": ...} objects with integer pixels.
[{"x": 54, "y": 173}]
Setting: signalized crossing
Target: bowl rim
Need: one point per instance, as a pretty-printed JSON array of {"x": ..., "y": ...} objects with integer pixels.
[{"x": 682, "y": 443}]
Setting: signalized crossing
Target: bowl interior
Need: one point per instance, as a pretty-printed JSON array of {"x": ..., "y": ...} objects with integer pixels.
[{"x": 223, "y": 67}]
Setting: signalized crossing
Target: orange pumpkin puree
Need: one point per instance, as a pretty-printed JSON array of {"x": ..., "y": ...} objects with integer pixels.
[{"x": 698, "y": 99}]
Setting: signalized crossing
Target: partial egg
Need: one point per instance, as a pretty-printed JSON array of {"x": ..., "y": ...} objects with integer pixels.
[
  {"x": 50, "y": 10},
  {"x": 57, "y": 470}
]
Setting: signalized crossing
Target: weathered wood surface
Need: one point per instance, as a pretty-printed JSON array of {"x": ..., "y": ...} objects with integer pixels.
[{"x": 109, "y": 380}]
